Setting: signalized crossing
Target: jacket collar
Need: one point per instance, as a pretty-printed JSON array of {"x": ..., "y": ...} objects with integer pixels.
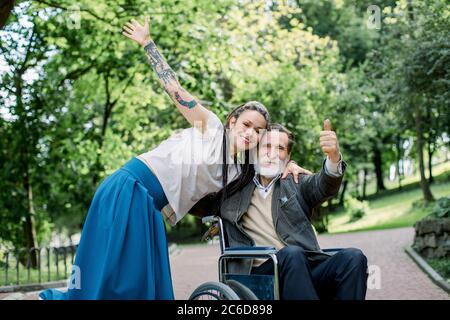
[
  {"x": 269, "y": 186},
  {"x": 244, "y": 199},
  {"x": 280, "y": 195}
]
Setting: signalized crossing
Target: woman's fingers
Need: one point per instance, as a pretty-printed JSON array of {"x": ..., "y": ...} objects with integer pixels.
[
  {"x": 130, "y": 25},
  {"x": 135, "y": 23},
  {"x": 295, "y": 173},
  {"x": 135, "y": 31},
  {"x": 296, "y": 170},
  {"x": 127, "y": 29},
  {"x": 127, "y": 35},
  {"x": 305, "y": 171}
]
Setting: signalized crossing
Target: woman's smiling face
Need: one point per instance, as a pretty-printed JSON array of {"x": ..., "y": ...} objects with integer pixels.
[{"x": 246, "y": 129}]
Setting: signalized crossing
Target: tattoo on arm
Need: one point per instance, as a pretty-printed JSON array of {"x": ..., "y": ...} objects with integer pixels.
[
  {"x": 168, "y": 77},
  {"x": 185, "y": 103},
  {"x": 156, "y": 60},
  {"x": 162, "y": 69}
]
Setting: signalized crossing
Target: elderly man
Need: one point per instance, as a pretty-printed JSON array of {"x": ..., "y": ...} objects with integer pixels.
[{"x": 276, "y": 212}]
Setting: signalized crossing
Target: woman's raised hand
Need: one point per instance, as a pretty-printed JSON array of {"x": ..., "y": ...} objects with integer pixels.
[
  {"x": 137, "y": 32},
  {"x": 189, "y": 107}
]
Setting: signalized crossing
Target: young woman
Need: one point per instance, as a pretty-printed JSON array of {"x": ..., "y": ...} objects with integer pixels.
[{"x": 123, "y": 249}]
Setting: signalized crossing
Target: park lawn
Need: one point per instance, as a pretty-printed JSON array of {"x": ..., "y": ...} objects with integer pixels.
[
  {"x": 390, "y": 211},
  {"x": 33, "y": 277},
  {"x": 438, "y": 170}
]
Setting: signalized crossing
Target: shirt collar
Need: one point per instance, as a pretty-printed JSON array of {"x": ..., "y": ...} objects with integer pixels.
[{"x": 269, "y": 186}]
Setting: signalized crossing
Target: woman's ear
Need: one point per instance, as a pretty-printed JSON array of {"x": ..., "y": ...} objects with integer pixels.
[{"x": 232, "y": 122}]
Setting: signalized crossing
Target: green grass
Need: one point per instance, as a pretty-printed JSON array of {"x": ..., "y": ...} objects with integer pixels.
[
  {"x": 389, "y": 211},
  {"x": 441, "y": 266},
  {"x": 34, "y": 273},
  {"x": 438, "y": 170}
]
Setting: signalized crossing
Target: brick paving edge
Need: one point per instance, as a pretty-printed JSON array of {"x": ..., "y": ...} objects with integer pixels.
[
  {"x": 431, "y": 273},
  {"x": 33, "y": 287}
]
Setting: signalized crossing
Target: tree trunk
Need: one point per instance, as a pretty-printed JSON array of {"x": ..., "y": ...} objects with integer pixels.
[
  {"x": 107, "y": 110},
  {"x": 427, "y": 195},
  {"x": 364, "y": 184},
  {"x": 399, "y": 158},
  {"x": 29, "y": 228},
  {"x": 358, "y": 195},
  {"x": 29, "y": 225},
  {"x": 5, "y": 11},
  {"x": 430, "y": 164},
  {"x": 378, "y": 164},
  {"x": 344, "y": 188}
]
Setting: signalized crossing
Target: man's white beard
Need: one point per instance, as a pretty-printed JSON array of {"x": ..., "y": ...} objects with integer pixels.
[{"x": 273, "y": 170}]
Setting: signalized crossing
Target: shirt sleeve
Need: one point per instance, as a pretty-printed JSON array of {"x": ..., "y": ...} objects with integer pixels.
[
  {"x": 333, "y": 169},
  {"x": 214, "y": 129},
  {"x": 213, "y": 121},
  {"x": 206, "y": 147}
]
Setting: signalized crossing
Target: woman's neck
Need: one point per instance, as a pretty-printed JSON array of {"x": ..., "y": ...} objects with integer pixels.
[{"x": 233, "y": 150}]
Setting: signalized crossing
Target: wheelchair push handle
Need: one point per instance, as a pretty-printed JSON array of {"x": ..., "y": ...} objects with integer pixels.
[{"x": 210, "y": 219}]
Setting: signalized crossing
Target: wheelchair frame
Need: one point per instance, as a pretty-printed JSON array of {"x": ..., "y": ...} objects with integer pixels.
[
  {"x": 224, "y": 286},
  {"x": 242, "y": 253}
]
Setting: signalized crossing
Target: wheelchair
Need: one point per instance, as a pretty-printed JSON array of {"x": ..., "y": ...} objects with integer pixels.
[{"x": 239, "y": 286}]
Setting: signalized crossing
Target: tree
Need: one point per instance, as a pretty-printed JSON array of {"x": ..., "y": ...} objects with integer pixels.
[
  {"x": 424, "y": 78},
  {"x": 5, "y": 11},
  {"x": 24, "y": 49}
]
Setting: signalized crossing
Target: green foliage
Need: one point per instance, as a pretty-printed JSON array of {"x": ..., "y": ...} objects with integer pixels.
[
  {"x": 442, "y": 266},
  {"x": 77, "y": 103},
  {"x": 441, "y": 208},
  {"x": 356, "y": 209},
  {"x": 393, "y": 210}
]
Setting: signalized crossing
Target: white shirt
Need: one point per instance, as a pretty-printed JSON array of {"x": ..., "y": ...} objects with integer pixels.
[
  {"x": 189, "y": 166},
  {"x": 264, "y": 191}
]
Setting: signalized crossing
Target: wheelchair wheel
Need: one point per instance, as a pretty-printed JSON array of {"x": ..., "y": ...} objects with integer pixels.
[
  {"x": 213, "y": 291},
  {"x": 242, "y": 291}
]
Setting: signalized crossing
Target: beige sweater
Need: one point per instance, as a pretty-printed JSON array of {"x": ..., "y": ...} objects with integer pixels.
[{"x": 258, "y": 223}]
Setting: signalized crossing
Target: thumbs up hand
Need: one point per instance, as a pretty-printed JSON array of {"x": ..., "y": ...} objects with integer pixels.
[{"x": 329, "y": 142}]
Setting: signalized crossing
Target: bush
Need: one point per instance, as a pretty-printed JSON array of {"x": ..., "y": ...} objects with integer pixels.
[
  {"x": 442, "y": 266},
  {"x": 441, "y": 208},
  {"x": 320, "y": 219},
  {"x": 357, "y": 209},
  {"x": 421, "y": 204}
]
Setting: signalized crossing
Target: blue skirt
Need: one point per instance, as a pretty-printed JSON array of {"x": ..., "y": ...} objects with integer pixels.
[{"x": 123, "y": 251}]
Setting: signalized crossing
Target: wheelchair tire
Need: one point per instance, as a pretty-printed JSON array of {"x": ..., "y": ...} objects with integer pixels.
[
  {"x": 214, "y": 291},
  {"x": 242, "y": 291}
]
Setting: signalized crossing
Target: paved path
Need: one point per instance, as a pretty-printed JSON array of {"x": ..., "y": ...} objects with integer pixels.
[{"x": 400, "y": 278}]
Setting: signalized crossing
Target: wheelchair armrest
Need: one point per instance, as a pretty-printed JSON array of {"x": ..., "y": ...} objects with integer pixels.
[
  {"x": 249, "y": 252},
  {"x": 249, "y": 248}
]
